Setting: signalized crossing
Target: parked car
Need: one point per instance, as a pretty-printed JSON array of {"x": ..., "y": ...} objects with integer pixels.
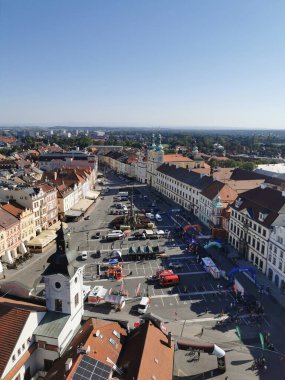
[
  {"x": 175, "y": 265},
  {"x": 97, "y": 235},
  {"x": 84, "y": 255},
  {"x": 149, "y": 215}
]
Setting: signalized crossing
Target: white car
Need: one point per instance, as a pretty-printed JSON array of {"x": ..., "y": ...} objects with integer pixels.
[
  {"x": 158, "y": 218},
  {"x": 175, "y": 265},
  {"x": 84, "y": 255},
  {"x": 149, "y": 215},
  {"x": 143, "y": 305}
]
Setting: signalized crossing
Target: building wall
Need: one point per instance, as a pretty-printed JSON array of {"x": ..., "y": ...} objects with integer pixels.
[
  {"x": 253, "y": 241},
  {"x": 3, "y": 238},
  {"x": 27, "y": 225},
  {"x": 276, "y": 257}
]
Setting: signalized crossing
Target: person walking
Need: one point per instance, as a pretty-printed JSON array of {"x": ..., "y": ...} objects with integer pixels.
[
  {"x": 206, "y": 310},
  {"x": 198, "y": 356},
  {"x": 202, "y": 331}
]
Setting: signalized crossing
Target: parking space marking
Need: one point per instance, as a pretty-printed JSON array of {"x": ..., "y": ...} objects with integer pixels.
[
  {"x": 162, "y": 302},
  {"x": 176, "y": 300}
]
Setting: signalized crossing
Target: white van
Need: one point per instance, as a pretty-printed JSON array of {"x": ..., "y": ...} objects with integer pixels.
[
  {"x": 114, "y": 235},
  {"x": 143, "y": 305},
  {"x": 84, "y": 255},
  {"x": 158, "y": 218}
]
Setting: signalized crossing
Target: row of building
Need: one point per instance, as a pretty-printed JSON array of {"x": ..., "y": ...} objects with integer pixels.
[
  {"x": 32, "y": 201},
  {"x": 247, "y": 208}
]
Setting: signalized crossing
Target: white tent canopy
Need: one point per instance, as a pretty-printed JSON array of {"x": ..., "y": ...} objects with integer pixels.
[
  {"x": 22, "y": 248},
  {"x": 8, "y": 257}
]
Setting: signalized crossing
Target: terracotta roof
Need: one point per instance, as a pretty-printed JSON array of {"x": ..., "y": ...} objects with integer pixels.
[
  {"x": 63, "y": 191},
  {"x": 6, "y": 219},
  {"x": 14, "y": 209},
  {"x": 176, "y": 158},
  {"x": 7, "y": 139},
  {"x": 100, "y": 346},
  {"x": 226, "y": 193},
  {"x": 146, "y": 354},
  {"x": 46, "y": 187},
  {"x": 12, "y": 322}
]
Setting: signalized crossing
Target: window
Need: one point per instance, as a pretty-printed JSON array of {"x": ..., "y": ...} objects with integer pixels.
[
  {"x": 58, "y": 305},
  {"x": 270, "y": 257},
  {"x": 19, "y": 351},
  {"x": 76, "y": 299},
  {"x": 23, "y": 346},
  {"x": 279, "y": 239},
  {"x": 13, "y": 358},
  {"x": 280, "y": 265}
]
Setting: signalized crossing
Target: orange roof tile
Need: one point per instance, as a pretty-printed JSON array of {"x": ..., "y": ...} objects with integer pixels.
[
  {"x": 176, "y": 158},
  {"x": 12, "y": 322},
  {"x": 14, "y": 209}
]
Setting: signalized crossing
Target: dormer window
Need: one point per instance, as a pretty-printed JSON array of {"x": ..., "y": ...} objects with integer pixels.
[
  {"x": 238, "y": 202},
  {"x": 261, "y": 217}
]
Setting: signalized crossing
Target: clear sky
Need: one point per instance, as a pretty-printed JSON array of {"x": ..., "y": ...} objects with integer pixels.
[{"x": 143, "y": 62}]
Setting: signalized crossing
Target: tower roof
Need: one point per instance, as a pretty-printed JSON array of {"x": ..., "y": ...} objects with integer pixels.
[{"x": 61, "y": 260}]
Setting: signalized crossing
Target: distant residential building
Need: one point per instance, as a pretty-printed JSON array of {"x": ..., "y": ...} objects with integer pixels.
[
  {"x": 54, "y": 160},
  {"x": 50, "y": 202}
]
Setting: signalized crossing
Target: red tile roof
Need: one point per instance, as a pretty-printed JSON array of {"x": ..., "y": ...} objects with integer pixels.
[
  {"x": 176, "y": 158},
  {"x": 14, "y": 208},
  {"x": 100, "y": 346},
  {"x": 6, "y": 219},
  {"x": 146, "y": 354},
  {"x": 13, "y": 317}
]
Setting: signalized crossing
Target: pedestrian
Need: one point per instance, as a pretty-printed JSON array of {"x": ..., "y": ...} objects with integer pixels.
[
  {"x": 198, "y": 356},
  {"x": 202, "y": 331},
  {"x": 206, "y": 310}
]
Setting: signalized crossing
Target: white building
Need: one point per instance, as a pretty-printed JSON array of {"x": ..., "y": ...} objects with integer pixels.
[
  {"x": 276, "y": 257},
  {"x": 254, "y": 213}
]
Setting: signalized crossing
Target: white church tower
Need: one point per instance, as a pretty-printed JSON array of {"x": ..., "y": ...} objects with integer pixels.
[{"x": 64, "y": 283}]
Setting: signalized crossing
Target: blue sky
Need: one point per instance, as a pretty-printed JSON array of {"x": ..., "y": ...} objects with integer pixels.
[{"x": 143, "y": 62}]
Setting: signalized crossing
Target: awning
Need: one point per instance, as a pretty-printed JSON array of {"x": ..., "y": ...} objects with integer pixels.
[
  {"x": 73, "y": 213},
  {"x": 56, "y": 226},
  {"x": 22, "y": 248},
  {"x": 82, "y": 205},
  {"x": 8, "y": 257},
  {"x": 43, "y": 239},
  {"x": 90, "y": 194}
]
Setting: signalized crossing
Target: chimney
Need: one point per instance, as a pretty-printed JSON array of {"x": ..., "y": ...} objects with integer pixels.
[
  {"x": 169, "y": 339},
  {"x": 55, "y": 175}
]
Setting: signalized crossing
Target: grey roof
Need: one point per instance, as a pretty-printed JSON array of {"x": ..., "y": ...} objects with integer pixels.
[
  {"x": 184, "y": 175},
  {"x": 52, "y": 324}
]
